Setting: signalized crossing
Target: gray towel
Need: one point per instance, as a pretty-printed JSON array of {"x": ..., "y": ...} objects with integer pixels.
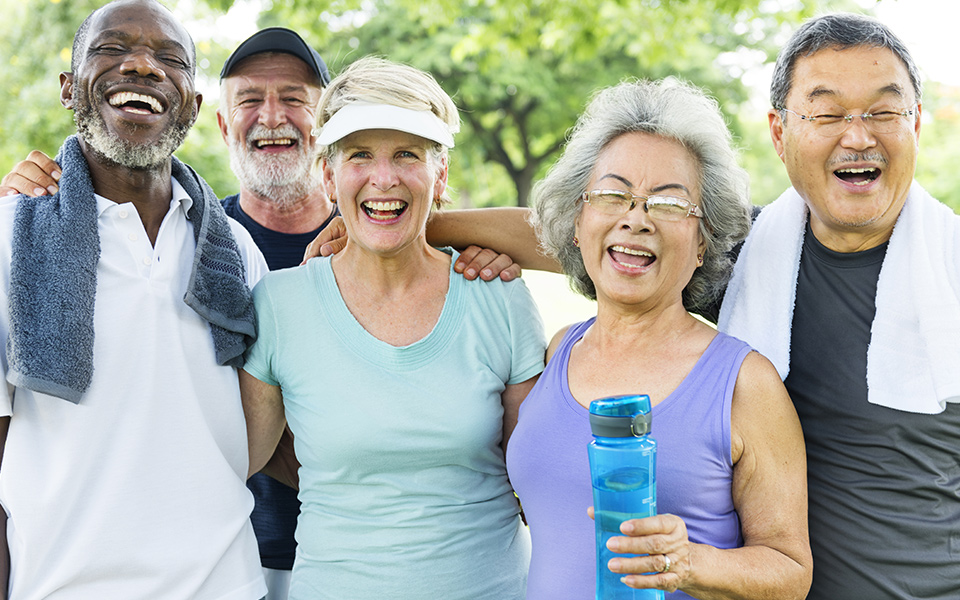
[{"x": 53, "y": 281}]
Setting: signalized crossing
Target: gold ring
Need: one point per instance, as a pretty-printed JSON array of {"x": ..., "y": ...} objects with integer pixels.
[{"x": 667, "y": 563}]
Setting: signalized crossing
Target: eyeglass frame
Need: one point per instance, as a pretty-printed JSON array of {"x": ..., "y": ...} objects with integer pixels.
[
  {"x": 694, "y": 210},
  {"x": 865, "y": 118}
]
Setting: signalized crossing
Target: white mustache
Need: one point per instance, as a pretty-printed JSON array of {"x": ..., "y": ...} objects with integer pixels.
[{"x": 261, "y": 132}]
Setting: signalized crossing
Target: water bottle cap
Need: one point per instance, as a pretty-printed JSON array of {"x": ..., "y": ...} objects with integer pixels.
[{"x": 621, "y": 416}]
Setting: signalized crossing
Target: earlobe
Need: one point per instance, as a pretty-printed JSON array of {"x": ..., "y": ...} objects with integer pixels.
[
  {"x": 196, "y": 108},
  {"x": 66, "y": 90},
  {"x": 440, "y": 185},
  {"x": 329, "y": 185},
  {"x": 776, "y": 131},
  {"x": 916, "y": 126}
]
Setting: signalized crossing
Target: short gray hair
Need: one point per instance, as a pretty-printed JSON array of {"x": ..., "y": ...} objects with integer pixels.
[
  {"x": 837, "y": 31},
  {"x": 669, "y": 109}
]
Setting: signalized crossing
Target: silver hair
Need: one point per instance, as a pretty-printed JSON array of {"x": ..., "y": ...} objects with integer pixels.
[
  {"x": 669, "y": 109},
  {"x": 840, "y": 31}
]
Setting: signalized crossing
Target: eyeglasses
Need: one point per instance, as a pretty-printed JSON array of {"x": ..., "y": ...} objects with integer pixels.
[
  {"x": 660, "y": 208},
  {"x": 833, "y": 125}
]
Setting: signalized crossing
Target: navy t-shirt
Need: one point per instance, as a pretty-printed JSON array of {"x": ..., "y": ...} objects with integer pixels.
[{"x": 276, "y": 506}]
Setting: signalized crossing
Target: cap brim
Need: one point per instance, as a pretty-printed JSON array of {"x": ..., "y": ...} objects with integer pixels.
[
  {"x": 278, "y": 39},
  {"x": 361, "y": 116}
]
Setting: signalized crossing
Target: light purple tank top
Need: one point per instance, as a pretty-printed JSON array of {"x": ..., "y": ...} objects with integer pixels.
[{"x": 547, "y": 465}]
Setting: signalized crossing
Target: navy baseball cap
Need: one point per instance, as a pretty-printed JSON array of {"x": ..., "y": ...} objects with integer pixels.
[{"x": 278, "y": 39}]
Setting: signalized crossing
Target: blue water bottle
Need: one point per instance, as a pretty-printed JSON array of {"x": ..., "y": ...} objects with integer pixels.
[{"x": 623, "y": 461}]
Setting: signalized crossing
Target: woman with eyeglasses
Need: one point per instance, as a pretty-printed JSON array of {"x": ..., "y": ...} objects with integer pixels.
[{"x": 641, "y": 211}]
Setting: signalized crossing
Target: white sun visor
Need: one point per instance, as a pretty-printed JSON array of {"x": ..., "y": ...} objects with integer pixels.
[{"x": 360, "y": 116}]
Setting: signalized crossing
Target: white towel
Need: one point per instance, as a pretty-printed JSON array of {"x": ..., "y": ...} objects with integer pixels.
[{"x": 913, "y": 360}]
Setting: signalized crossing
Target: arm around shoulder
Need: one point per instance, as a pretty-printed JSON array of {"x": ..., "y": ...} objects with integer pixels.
[{"x": 505, "y": 229}]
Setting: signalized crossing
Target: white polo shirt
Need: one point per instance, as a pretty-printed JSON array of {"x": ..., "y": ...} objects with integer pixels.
[{"x": 137, "y": 491}]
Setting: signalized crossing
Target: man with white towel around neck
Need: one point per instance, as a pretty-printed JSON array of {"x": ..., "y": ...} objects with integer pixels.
[{"x": 850, "y": 284}]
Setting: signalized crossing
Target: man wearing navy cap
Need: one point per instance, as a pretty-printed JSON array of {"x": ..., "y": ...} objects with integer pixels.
[{"x": 269, "y": 90}]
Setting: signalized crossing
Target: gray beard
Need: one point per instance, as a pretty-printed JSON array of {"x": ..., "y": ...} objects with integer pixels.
[
  {"x": 92, "y": 129},
  {"x": 279, "y": 179}
]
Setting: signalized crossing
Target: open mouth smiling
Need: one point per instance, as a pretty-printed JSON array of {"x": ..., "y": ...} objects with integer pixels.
[
  {"x": 858, "y": 176},
  {"x": 273, "y": 142},
  {"x": 631, "y": 257},
  {"x": 383, "y": 210},
  {"x": 138, "y": 104}
]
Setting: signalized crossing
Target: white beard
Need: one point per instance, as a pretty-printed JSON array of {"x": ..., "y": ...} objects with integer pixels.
[{"x": 283, "y": 178}]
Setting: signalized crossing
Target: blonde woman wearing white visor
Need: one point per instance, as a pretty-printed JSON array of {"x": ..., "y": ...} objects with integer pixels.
[{"x": 399, "y": 380}]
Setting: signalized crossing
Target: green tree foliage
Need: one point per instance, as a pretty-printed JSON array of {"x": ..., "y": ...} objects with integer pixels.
[
  {"x": 33, "y": 51},
  {"x": 521, "y": 72},
  {"x": 939, "y": 152}
]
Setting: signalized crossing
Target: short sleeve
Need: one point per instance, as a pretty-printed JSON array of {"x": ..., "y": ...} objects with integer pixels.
[
  {"x": 526, "y": 333},
  {"x": 260, "y": 358},
  {"x": 253, "y": 261}
]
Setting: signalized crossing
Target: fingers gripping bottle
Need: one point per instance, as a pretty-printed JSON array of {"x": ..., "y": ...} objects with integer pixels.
[{"x": 623, "y": 460}]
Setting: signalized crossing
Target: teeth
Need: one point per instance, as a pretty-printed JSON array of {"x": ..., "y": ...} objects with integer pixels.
[
  {"x": 862, "y": 170},
  {"x": 631, "y": 251},
  {"x": 122, "y": 98},
  {"x": 386, "y": 206},
  {"x": 276, "y": 142}
]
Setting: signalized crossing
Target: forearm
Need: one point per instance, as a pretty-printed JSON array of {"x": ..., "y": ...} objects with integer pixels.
[
  {"x": 283, "y": 465},
  {"x": 747, "y": 573},
  {"x": 263, "y": 412},
  {"x": 506, "y": 230}
]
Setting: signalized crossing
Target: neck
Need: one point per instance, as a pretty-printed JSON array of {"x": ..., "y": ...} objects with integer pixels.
[
  {"x": 386, "y": 275},
  {"x": 849, "y": 241},
  {"x": 638, "y": 331},
  {"x": 149, "y": 190},
  {"x": 300, "y": 216}
]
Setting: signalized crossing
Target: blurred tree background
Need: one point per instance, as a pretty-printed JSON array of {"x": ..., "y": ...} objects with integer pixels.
[{"x": 520, "y": 72}]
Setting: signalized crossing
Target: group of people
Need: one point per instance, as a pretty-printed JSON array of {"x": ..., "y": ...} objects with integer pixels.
[{"x": 807, "y": 445}]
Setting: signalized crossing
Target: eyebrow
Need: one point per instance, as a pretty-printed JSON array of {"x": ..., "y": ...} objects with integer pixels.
[
  {"x": 117, "y": 34},
  {"x": 654, "y": 190},
  {"x": 892, "y": 89},
  {"x": 259, "y": 89}
]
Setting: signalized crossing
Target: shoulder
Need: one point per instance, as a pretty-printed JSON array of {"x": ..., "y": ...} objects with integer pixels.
[
  {"x": 253, "y": 260},
  {"x": 8, "y": 210},
  {"x": 556, "y": 340},
  {"x": 760, "y": 399},
  {"x": 230, "y": 202}
]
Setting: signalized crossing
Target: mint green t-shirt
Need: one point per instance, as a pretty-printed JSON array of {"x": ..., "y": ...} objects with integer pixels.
[{"x": 403, "y": 482}]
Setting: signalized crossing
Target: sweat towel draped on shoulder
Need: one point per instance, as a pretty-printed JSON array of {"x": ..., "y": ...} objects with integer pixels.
[
  {"x": 913, "y": 360},
  {"x": 53, "y": 280}
]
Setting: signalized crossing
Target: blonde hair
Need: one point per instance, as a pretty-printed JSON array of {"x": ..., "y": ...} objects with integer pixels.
[{"x": 376, "y": 80}]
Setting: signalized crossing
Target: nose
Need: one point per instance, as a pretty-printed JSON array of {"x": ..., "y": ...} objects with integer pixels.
[
  {"x": 858, "y": 136},
  {"x": 637, "y": 219},
  {"x": 384, "y": 175},
  {"x": 271, "y": 112},
  {"x": 143, "y": 64}
]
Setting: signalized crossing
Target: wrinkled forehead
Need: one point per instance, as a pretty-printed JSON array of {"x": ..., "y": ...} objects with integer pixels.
[
  {"x": 858, "y": 74},
  {"x": 280, "y": 69},
  {"x": 139, "y": 20}
]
